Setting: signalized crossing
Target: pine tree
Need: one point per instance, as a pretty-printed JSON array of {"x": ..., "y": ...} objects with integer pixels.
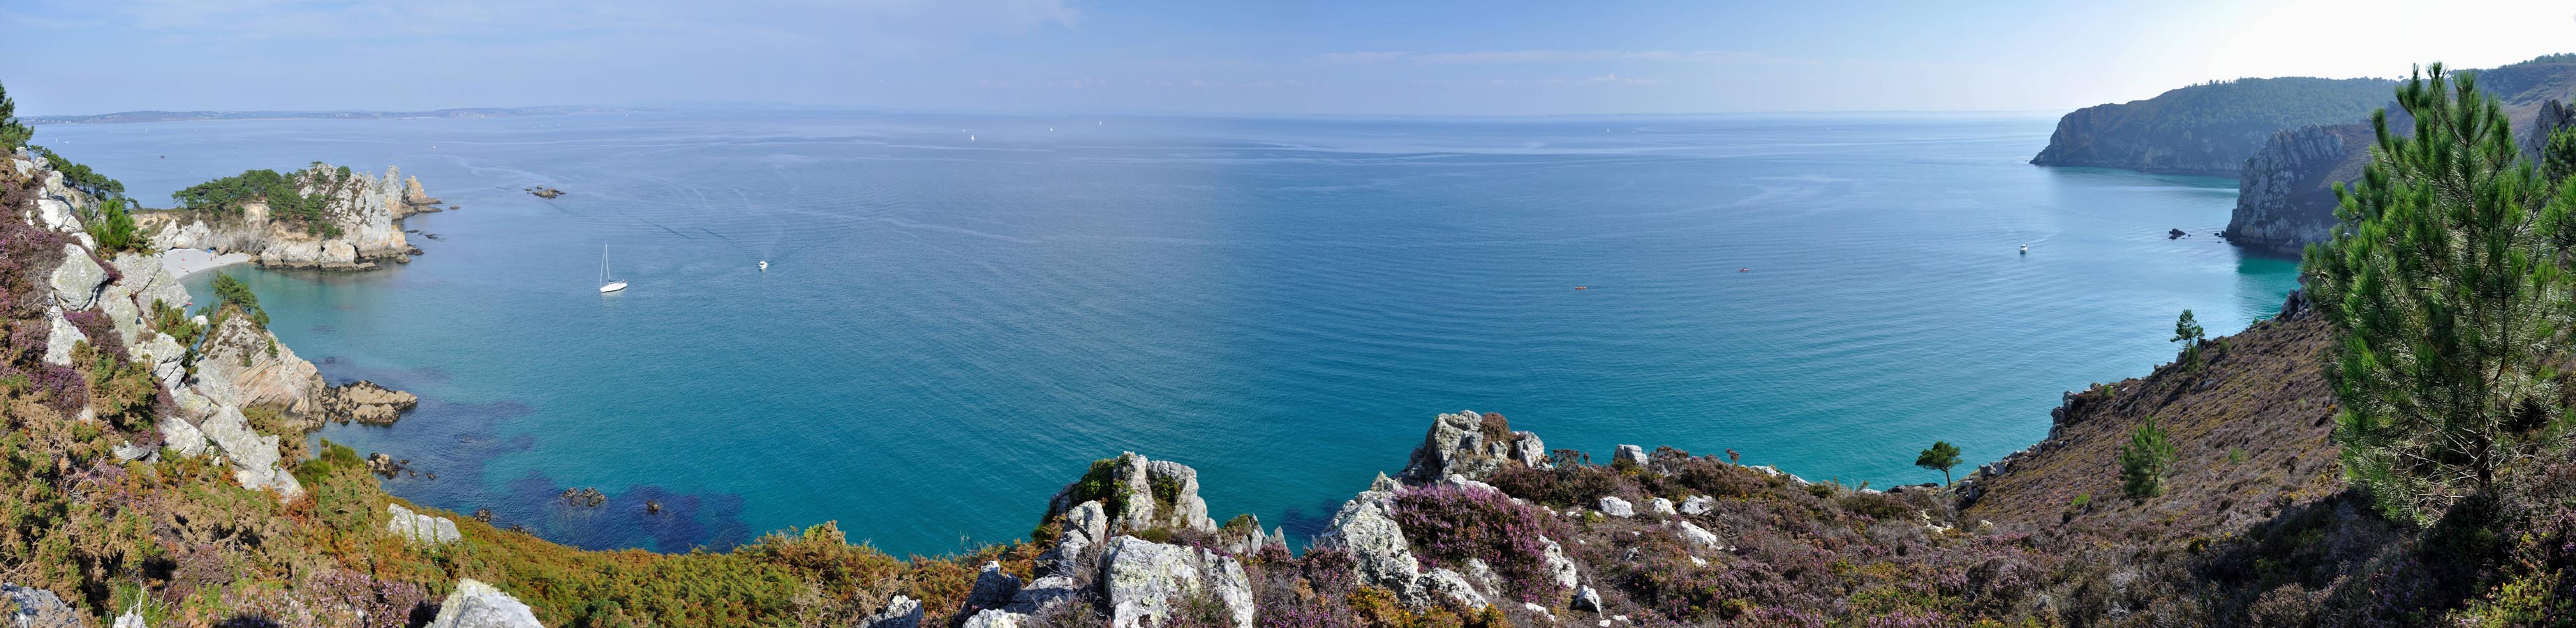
[
  {"x": 2187, "y": 331},
  {"x": 2146, "y": 461},
  {"x": 1940, "y": 457},
  {"x": 12, "y": 133},
  {"x": 2450, "y": 298}
]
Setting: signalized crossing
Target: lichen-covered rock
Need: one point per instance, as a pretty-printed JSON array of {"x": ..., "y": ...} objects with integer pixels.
[
  {"x": 420, "y": 528},
  {"x": 1560, "y": 568},
  {"x": 1470, "y": 444},
  {"x": 478, "y": 605},
  {"x": 1366, "y": 528},
  {"x": 1631, "y": 453},
  {"x": 993, "y": 618},
  {"x": 78, "y": 280},
  {"x": 1043, "y": 594},
  {"x": 61, "y": 337},
  {"x": 242, "y": 365},
  {"x": 1698, "y": 505},
  {"x": 39, "y": 608},
  {"x": 1140, "y": 579},
  {"x": 1449, "y": 584},
  {"x": 900, "y": 612},
  {"x": 993, "y": 589},
  {"x": 1661, "y": 506},
  {"x": 1153, "y": 494},
  {"x": 254, "y": 456}
]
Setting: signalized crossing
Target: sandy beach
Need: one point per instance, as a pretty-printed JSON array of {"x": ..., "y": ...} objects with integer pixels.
[{"x": 184, "y": 262}]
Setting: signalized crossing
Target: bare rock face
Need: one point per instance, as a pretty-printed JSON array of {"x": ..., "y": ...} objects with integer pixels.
[
  {"x": 1366, "y": 528},
  {"x": 1140, "y": 579},
  {"x": 243, "y": 365},
  {"x": 900, "y": 612},
  {"x": 420, "y": 528},
  {"x": 39, "y": 608},
  {"x": 2554, "y": 116},
  {"x": 1469, "y": 444},
  {"x": 2285, "y": 196},
  {"x": 364, "y": 402}
]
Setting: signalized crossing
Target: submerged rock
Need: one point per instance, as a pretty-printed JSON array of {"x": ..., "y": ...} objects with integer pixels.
[{"x": 364, "y": 402}]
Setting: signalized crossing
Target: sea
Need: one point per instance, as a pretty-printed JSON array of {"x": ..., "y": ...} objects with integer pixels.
[{"x": 962, "y": 311}]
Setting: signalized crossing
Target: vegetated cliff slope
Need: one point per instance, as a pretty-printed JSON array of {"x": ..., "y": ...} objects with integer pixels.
[
  {"x": 356, "y": 222},
  {"x": 2286, "y": 199},
  {"x": 2205, "y": 129}
]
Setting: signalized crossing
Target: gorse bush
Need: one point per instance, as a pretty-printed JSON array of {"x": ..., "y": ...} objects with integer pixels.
[{"x": 2451, "y": 299}]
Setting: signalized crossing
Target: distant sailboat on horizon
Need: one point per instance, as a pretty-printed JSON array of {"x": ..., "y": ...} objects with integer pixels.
[{"x": 609, "y": 284}]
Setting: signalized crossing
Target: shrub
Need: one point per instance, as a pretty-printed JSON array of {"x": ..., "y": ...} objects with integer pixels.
[
  {"x": 1454, "y": 524},
  {"x": 114, "y": 229},
  {"x": 2144, "y": 463}
]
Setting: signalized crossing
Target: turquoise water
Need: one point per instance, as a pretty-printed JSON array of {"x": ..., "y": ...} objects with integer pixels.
[{"x": 952, "y": 329}]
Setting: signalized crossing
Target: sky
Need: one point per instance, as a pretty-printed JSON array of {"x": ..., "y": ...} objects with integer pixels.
[{"x": 1375, "y": 57}]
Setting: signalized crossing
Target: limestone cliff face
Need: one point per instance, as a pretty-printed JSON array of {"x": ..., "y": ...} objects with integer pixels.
[
  {"x": 367, "y": 211},
  {"x": 2285, "y": 195}
]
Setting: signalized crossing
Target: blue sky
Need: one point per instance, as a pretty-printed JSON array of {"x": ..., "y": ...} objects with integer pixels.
[{"x": 1375, "y": 57}]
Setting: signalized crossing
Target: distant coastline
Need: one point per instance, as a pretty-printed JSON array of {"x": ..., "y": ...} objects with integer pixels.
[{"x": 184, "y": 116}]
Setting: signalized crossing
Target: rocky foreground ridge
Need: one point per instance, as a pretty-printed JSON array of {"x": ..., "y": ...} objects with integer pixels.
[{"x": 365, "y": 213}]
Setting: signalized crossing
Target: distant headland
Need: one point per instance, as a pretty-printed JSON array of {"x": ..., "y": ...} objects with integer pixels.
[{"x": 185, "y": 116}]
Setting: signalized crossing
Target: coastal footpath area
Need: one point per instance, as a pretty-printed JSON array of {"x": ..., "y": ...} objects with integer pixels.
[{"x": 160, "y": 475}]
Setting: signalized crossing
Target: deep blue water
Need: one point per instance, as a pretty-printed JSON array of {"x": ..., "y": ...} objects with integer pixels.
[{"x": 952, "y": 329}]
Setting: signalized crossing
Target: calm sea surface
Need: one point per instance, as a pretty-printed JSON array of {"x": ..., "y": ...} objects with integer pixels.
[{"x": 951, "y": 327}]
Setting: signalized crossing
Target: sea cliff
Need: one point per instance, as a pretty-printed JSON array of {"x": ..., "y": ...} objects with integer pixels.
[
  {"x": 360, "y": 223},
  {"x": 2206, "y": 129}
]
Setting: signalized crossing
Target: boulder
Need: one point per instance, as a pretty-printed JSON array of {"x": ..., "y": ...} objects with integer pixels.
[
  {"x": 1155, "y": 494},
  {"x": 60, "y": 339},
  {"x": 1530, "y": 451},
  {"x": 39, "y": 608},
  {"x": 419, "y": 528},
  {"x": 1560, "y": 569},
  {"x": 77, "y": 281},
  {"x": 1044, "y": 594},
  {"x": 994, "y": 618},
  {"x": 1661, "y": 506},
  {"x": 1631, "y": 453},
  {"x": 478, "y": 605},
  {"x": 1449, "y": 584},
  {"x": 900, "y": 612},
  {"x": 254, "y": 456},
  {"x": 1698, "y": 505},
  {"x": 1617, "y": 507},
  {"x": 1695, "y": 534},
  {"x": 1586, "y": 599},
  {"x": 1465, "y": 443},
  {"x": 993, "y": 589},
  {"x": 1140, "y": 579}
]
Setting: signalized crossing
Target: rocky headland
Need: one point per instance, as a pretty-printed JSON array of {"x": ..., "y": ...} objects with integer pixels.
[
  {"x": 2206, "y": 129},
  {"x": 357, "y": 227}
]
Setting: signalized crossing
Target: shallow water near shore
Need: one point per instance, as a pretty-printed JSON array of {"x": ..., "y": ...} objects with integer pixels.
[{"x": 951, "y": 329}]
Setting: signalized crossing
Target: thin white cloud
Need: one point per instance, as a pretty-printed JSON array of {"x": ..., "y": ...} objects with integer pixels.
[{"x": 1360, "y": 57}]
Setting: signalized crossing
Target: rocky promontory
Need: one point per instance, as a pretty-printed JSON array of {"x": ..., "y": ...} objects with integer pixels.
[
  {"x": 355, "y": 222},
  {"x": 2206, "y": 129},
  {"x": 2285, "y": 196}
]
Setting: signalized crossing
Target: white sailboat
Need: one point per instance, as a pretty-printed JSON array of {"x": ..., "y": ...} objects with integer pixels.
[{"x": 610, "y": 285}]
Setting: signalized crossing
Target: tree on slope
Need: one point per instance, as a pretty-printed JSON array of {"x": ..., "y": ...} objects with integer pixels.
[
  {"x": 12, "y": 133},
  {"x": 2449, "y": 293},
  {"x": 1939, "y": 457}
]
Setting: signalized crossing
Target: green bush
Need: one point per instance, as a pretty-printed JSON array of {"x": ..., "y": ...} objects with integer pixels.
[{"x": 114, "y": 229}]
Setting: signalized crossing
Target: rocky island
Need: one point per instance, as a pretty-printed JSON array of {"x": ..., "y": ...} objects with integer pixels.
[{"x": 321, "y": 217}]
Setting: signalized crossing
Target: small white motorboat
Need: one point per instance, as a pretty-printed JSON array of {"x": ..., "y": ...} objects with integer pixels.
[
  {"x": 609, "y": 283},
  {"x": 764, "y": 264},
  {"x": 2025, "y": 249}
]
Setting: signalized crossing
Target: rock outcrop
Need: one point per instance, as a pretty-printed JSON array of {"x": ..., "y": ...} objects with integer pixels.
[
  {"x": 1473, "y": 445},
  {"x": 39, "y": 608},
  {"x": 1140, "y": 581},
  {"x": 364, "y": 402},
  {"x": 420, "y": 528},
  {"x": 363, "y": 213},
  {"x": 478, "y": 605},
  {"x": 2285, "y": 193},
  {"x": 2553, "y": 116},
  {"x": 1138, "y": 494}
]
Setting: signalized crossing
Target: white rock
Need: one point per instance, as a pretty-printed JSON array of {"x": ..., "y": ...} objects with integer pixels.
[
  {"x": 1449, "y": 584},
  {"x": 1696, "y": 534},
  {"x": 1559, "y": 568},
  {"x": 1379, "y": 552},
  {"x": 61, "y": 338},
  {"x": 1698, "y": 505},
  {"x": 420, "y": 528},
  {"x": 478, "y": 605},
  {"x": 1586, "y": 599},
  {"x": 77, "y": 281},
  {"x": 1632, "y": 453},
  {"x": 1141, "y": 578},
  {"x": 1661, "y": 506},
  {"x": 1617, "y": 507}
]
